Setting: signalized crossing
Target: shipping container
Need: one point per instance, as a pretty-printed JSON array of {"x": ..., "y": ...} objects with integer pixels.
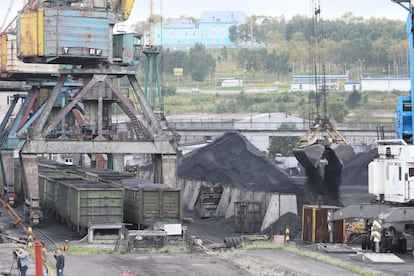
[
  {"x": 248, "y": 217},
  {"x": 315, "y": 225},
  {"x": 147, "y": 203}
]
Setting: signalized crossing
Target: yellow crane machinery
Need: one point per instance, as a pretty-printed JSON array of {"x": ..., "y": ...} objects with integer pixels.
[{"x": 17, "y": 220}]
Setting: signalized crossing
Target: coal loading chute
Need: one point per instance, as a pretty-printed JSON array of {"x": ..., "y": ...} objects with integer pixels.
[{"x": 322, "y": 150}]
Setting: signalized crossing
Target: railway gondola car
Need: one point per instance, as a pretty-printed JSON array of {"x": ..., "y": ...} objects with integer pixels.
[
  {"x": 83, "y": 196},
  {"x": 48, "y": 188},
  {"x": 81, "y": 203},
  {"x": 146, "y": 203}
]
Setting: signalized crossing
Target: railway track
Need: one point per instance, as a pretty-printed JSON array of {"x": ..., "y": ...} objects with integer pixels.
[
  {"x": 51, "y": 232},
  {"x": 45, "y": 238}
]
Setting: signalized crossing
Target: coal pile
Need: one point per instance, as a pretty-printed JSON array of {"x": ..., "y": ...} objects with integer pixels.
[
  {"x": 288, "y": 220},
  {"x": 354, "y": 183},
  {"x": 232, "y": 160}
]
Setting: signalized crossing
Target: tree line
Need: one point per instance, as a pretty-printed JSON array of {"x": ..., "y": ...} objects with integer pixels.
[{"x": 276, "y": 48}]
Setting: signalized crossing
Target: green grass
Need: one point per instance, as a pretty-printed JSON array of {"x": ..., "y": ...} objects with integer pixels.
[
  {"x": 90, "y": 250},
  {"x": 169, "y": 249}
]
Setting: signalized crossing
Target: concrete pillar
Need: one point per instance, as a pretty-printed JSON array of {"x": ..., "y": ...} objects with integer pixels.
[
  {"x": 90, "y": 235},
  {"x": 169, "y": 170},
  {"x": 118, "y": 162}
]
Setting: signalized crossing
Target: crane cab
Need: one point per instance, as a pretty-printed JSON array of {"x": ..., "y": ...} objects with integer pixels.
[
  {"x": 127, "y": 48},
  {"x": 70, "y": 32}
]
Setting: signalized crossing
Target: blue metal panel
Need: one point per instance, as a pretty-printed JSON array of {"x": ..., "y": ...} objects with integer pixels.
[
  {"x": 404, "y": 118},
  {"x": 127, "y": 48},
  {"x": 72, "y": 33}
]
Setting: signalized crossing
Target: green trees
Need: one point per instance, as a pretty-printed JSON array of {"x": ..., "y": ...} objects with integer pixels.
[
  {"x": 347, "y": 41},
  {"x": 200, "y": 63},
  {"x": 197, "y": 62},
  {"x": 353, "y": 99},
  {"x": 272, "y": 48},
  {"x": 282, "y": 145}
]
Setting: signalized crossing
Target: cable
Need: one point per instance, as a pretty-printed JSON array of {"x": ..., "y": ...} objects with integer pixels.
[
  {"x": 6, "y": 16},
  {"x": 318, "y": 60}
]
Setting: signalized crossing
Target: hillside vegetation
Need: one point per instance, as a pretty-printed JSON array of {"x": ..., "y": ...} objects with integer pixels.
[
  {"x": 275, "y": 48},
  {"x": 371, "y": 107},
  {"x": 272, "y": 51}
]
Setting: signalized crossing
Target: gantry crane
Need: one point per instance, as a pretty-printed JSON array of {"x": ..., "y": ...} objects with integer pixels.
[{"x": 69, "y": 108}]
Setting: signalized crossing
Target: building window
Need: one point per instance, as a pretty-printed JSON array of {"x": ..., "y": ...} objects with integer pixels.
[
  {"x": 172, "y": 34},
  {"x": 223, "y": 33}
]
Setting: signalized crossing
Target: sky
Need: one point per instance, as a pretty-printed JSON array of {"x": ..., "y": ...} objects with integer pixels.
[
  {"x": 174, "y": 8},
  {"x": 288, "y": 8}
]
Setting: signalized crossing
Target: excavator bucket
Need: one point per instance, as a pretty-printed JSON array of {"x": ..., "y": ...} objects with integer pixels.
[
  {"x": 338, "y": 153},
  {"x": 310, "y": 156}
]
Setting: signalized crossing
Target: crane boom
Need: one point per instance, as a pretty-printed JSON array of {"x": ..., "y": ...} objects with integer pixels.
[{"x": 13, "y": 214}]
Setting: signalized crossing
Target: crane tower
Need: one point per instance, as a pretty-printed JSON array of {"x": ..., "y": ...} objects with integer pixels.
[{"x": 76, "y": 62}]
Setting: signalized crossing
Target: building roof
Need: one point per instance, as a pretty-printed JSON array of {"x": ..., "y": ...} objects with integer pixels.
[
  {"x": 179, "y": 24},
  {"x": 319, "y": 76},
  {"x": 236, "y": 17},
  {"x": 385, "y": 79}
]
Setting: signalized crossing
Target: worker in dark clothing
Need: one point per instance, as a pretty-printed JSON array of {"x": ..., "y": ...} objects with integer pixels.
[{"x": 60, "y": 262}]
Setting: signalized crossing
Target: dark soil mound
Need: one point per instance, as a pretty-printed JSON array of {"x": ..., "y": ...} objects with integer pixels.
[
  {"x": 233, "y": 161},
  {"x": 355, "y": 172},
  {"x": 289, "y": 220},
  {"x": 212, "y": 230},
  {"x": 354, "y": 184}
]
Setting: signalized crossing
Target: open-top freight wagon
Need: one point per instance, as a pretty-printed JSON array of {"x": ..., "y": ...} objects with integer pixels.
[
  {"x": 48, "y": 188},
  {"x": 146, "y": 203},
  {"x": 84, "y": 196},
  {"x": 81, "y": 203}
]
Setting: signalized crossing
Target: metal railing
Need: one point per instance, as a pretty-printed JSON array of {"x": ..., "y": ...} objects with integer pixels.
[{"x": 204, "y": 124}]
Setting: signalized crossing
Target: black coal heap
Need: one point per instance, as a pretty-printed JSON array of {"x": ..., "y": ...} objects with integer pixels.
[{"x": 233, "y": 161}]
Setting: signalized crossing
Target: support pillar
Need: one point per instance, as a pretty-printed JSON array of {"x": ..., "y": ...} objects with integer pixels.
[
  {"x": 169, "y": 167},
  {"x": 118, "y": 162},
  {"x": 8, "y": 167},
  {"x": 30, "y": 167}
]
